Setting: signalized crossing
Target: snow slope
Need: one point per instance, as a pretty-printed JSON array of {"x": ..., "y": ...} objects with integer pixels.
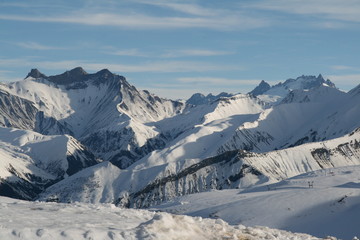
[
  {"x": 330, "y": 207},
  {"x": 16, "y": 112},
  {"x": 318, "y": 114},
  {"x": 36, "y": 220},
  {"x": 31, "y": 161}
]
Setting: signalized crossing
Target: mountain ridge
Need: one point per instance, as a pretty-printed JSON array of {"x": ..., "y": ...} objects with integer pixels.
[{"x": 140, "y": 132}]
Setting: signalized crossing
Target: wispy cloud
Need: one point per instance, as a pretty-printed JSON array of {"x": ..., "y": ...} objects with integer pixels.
[
  {"x": 192, "y": 9},
  {"x": 348, "y": 10},
  {"x": 342, "y": 67},
  {"x": 195, "y": 53},
  {"x": 128, "y": 52},
  {"x": 235, "y": 21},
  {"x": 158, "y": 67},
  {"x": 218, "y": 81},
  {"x": 37, "y": 46},
  {"x": 168, "y": 53},
  {"x": 347, "y": 79}
]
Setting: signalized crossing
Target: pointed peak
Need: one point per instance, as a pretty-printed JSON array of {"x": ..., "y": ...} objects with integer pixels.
[
  {"x": 261, "y": 88},
  {"x": 78, "y": 71},
  {"x": 35, "y": 73},
  {"x": 320, "y": 77},
  {"x": 104, "y": 71}
]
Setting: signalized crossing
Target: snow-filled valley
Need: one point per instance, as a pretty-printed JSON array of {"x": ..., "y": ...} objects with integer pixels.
[{"x": 285, "y": 156}]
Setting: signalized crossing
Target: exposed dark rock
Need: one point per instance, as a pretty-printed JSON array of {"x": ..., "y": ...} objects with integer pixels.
[
  {"x": 34, "y": 73},
  {"x": 260, "y": 89}
]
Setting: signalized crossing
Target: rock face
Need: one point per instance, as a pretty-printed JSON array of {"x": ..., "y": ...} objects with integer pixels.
[
  {"x": 199, "y": 99},
  {"x": 261, "y": 88}
]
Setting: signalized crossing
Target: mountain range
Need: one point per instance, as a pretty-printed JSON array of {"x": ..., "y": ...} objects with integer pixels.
[{"x": 93, "y": 137}]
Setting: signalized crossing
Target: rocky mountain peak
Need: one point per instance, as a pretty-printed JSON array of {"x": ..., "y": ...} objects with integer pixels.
[
  {"x": 261, "y": 88},
  {"x": 35, "y": 73},
  {"x": 199, "y": 99},
  {"x": 78, "y": 71},
  {"x": 104, "y": 73}
]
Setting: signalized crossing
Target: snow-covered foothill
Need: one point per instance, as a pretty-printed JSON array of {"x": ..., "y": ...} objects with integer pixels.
[{"x": 32, "y": 160}]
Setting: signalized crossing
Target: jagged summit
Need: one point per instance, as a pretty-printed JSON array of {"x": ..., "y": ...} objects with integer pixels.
[
  {"x": 79, "y": 71},
  {"x": 274, "y": 94},
  {"x": 199, "y": 98},
  {"x": 76, "y": 75},
  {"x": 35, "y": 73},
  {"x": 261, "y": 88},
  {"x": 306, "y": 82}
]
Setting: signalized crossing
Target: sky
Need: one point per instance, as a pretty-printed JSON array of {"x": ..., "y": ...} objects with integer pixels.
[{"x": 176, "y": 48}]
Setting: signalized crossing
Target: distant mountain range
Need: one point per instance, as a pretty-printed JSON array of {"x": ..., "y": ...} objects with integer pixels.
[{"x": 96, "y": 138}]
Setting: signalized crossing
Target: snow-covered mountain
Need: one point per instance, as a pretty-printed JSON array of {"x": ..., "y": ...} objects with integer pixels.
[
  {"x": 30, "y": 162},
  {"x": 274, "y": 94},
  {"x": 303, "y": 116},
  {"x": 102, "y": 110},
  {"x": 234, "y": 169},
  {"x": 55, "y": 129},
  {"x": 169, "y": 148}
]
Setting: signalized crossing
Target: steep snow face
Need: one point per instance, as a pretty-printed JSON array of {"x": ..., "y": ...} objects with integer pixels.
[
  {"x": 279, "y": 91},
  {"x": 330, "y": 206},
  {"x": 15, "y": 111},
  {"x": 355, "y": 91},
  {"x": 88, "y": 221},
  {"x": 135, "y": 187},
  {"x": 31, "y": 161},
  {"x": 304, "y": 116},
  {"x": 203, "y": 129}
]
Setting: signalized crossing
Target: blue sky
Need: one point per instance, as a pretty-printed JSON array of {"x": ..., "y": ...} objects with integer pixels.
[{"x": 176, "y": 48}]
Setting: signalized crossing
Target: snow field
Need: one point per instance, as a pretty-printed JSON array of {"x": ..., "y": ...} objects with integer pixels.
[
  {"x": 39, "y": 220},
  {"x": 330, "y": 207}
]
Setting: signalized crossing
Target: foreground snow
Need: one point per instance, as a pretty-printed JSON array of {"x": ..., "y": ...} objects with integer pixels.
[{"x": 38, "y": 220}]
